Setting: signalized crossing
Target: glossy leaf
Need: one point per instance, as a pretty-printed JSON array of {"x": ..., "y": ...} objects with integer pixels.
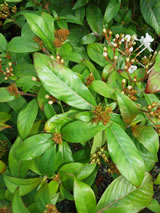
[
  {"x": 58, "y": 121},
  {"x": 127, "y": 107},
  {"x": 103, "y": 89},
  {"x": 3, "y": 43},
  {"x": 95, "y": 52},
  {"x": 47, "y": 162},
  {"x": 111, "y": 10},
  {"x": 63, "y": 155},
  {"x": 18, "y": 168},
  {"x": 128, "y": 161},
  {"x": 42, "y": 26},
  {"x": 62, "y": 83},
  {"x": 84, "y": 197},
  {"x": 153, "y": 85},
  {"x": 25, "y": 185},
  {"x": 22, "y": 45},
  {"x": 148, "y": 137},
  {"x": 34, "y": 146},
  {"x": 80, "y": 131},
  {"x": 154, "y": 206},
  {"x": 150, "y": 11},
  {"x": 5, "y": 95},
  {"x": 17, "y": 204},
  {"x": 126, "y": 197},
  {"x": 26, "y": 118},
  {"x": 94, "y": 18},
  {"x": 42, "y": 197}
]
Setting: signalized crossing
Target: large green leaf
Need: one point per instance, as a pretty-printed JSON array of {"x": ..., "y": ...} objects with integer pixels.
[
  {"x": 126, "y": 197},
  {"x": 22, "y": 45},
  {"x": 5, "y": 95},
  {"x": 18, "y": 168},
  {"x": 94, "y": 18},
  {"x": 80, "y": 131},
  {"x": 17, "y": 204},
  {"x": 125, "y": 154},
  {"x": 84, "y": 197},
  {"x": 47, "y": 162},
  {"x": 150, "y": 10},
  {"x": 25, "y": 185},
  {"x": 42, "y": 26},
  {"x": 128, "y": 108},
  {"x": 111, "y": 10},
  {"x": 154, "y": 206},
  {"x": 148, "y": 137},
  {"x": 26, "y": 118},
  {"x": 62, "y": 83},
  {"x": 34, "y": 146},
  {"x": 95, "y": 52},
  {"x": 103, "y": 89},
  {"x": 58, "y": 121}
]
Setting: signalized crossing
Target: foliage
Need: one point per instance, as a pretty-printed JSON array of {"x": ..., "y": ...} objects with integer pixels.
[{"x": 79, "y": 92}]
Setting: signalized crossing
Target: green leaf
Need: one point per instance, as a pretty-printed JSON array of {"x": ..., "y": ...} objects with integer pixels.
[
  {"x": 88, "y": 39},
  {"x": 84, "y": 197},
  {"x": 95, "y": 52},
  {"x": 80, "y": 131},
  {"x": 127, "y": 159},
  {"x": 127, "y": 107},
  {"x": 25, "y": 185},
  {"x": 5, "y": 95},
  {"x": 22, "y": 45},
  {"x": 62, "y": 83},
  {"x": 153, "y": 85},
  {"x": 157, "y": 180},
  {"x": 47, "y": 162},
  {"x": 58, "y": 121},
  {"x": 154, "y": 206},
  {"x": 79, "y": 4},
  {"x": 4, "y": 116},
  {"x": 26, "y": 118},
  {"x": 148, "y": 137},
  {"x": 18, "y": 168},
  {"x": 17, "y": 204},
  {"x": 13, "y": 0},
  {"x": 98, "y": 142},
  {"x": 111, "y": 10},
  {"x": 2, "y": 167},
  {"x": 103, "y": 89},
  {"x": 126, "y": 197},
  {"x": 150, "y": 10},
  {"x": 94, "y": 18},
  {"x": 3, "y": 43},
  {"x": 4, "y": 126},
  {"x": 42, "y": 26},
  {"x": 63, "y": 155},
  {"x": 34, "y": 146},
  {"x": 42, "y": 197},
  {"x": 66, "y": 194}
]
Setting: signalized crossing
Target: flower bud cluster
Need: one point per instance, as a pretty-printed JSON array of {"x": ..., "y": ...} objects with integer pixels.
[
  {"x": 96, "y": 157},
  {"x": 13, "y": 90},
  {"x": 57, "y": 138},
  {"x": 60, "y": 36},
  {"x": 59, "y": 59},
  {"x": 112, "y": 168},
  {"x": 50, "y": 208},
  {"x": 4, "y": 10},
  {"x": 8, "y": 70},
  {"x": 129, "y": 90},
  {"x": 3, "y": 148},
  {"x": 52, "y": 99},
  {"x": 101, "y": 114},
  {"x": 154, "y": 110}
]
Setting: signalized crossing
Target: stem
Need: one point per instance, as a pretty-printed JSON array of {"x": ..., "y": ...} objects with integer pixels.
[
  {"x": 59, "y": 102},
  {"x": 28, "y": 94}
]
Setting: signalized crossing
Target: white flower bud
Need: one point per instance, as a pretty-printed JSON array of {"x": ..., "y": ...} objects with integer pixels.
[
  {"x": 46, "y": 96},
  {"x": 104, "y": 30},
  {"x": 115, "y": 57},
  {"x": 124, "y": 81},
  {"x": 34, "y": 78},
  {"x": 50, "y": 102},
  {"x": 105, "y": 54},
  {"x": 62, "y": 61},
  {"x": 129, "y": 87}
]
